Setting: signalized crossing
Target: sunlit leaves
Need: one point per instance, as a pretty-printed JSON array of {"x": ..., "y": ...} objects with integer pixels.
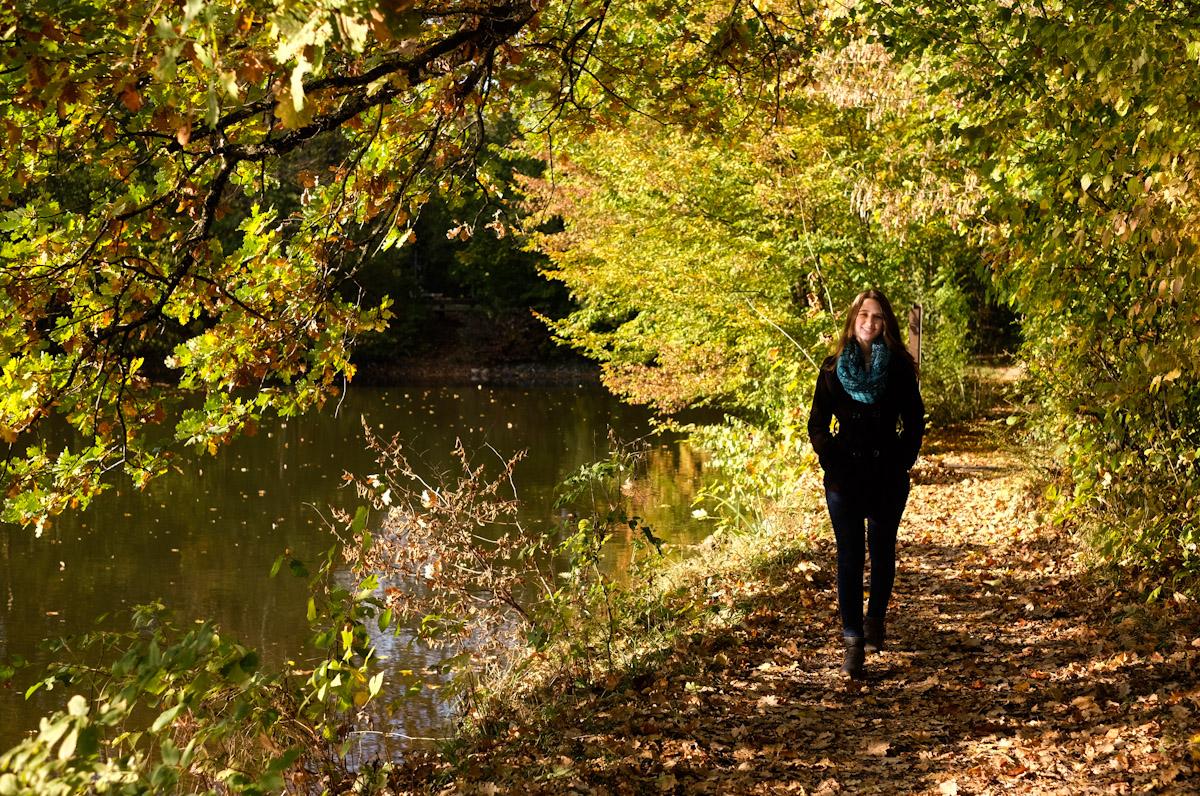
[
  {"x": 144, "y": 239},
  {"x": 710, "y": 267},
  {"x": 150, "y": 153},
  {"x": 1077, "y": 124},
  {"x": 673, "y": 247}
]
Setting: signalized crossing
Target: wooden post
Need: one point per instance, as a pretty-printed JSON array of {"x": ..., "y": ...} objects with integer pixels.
[{"x": 914, "y": 334}]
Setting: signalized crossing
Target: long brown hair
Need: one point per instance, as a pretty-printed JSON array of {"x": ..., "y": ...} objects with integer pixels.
[{"x": 891, "y": 329}]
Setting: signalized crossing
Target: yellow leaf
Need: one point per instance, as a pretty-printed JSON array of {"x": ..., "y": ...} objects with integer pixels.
[{"x": 286, "y": 110}]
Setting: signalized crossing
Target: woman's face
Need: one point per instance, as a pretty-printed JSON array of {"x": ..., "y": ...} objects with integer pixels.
[{"x": 868, "y": 326}]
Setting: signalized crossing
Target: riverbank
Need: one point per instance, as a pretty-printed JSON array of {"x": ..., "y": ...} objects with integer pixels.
[{"x": 1009, "y": 669}]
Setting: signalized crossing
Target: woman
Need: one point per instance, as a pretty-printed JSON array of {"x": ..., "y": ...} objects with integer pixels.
[{"x": 870, "y": 387}]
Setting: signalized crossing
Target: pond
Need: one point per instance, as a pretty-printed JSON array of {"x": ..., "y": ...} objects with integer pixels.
[{"x": 203, "y": 538}]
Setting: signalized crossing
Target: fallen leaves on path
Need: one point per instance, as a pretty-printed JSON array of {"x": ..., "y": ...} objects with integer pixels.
[{"x": 1008, "y": 670}]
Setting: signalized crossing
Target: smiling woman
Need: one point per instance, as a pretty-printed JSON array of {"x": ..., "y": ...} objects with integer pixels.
[{"x": 869, "y": 386}]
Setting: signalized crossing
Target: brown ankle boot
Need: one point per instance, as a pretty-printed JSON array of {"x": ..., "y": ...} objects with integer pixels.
[
  {"x": 873, "y": 630},
  {"x": 852, "y": 666}
]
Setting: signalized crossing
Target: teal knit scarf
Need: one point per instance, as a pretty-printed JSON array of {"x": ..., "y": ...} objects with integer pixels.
[{"x": 862, "y": 384}]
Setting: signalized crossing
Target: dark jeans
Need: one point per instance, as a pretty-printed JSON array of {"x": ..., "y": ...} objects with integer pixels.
[{"x": 847, "y": 513}]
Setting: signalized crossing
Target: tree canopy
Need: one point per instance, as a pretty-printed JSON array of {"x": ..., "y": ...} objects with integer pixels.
[
  {"x": 191, "y": 191},
  {"x": 160, "y": 217},
  {"x": 1049, "y": 146},
  {"x": 1072, "y": 131}
]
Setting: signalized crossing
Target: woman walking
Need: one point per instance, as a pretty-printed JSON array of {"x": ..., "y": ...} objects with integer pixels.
[{"x": 870, "y": 387}]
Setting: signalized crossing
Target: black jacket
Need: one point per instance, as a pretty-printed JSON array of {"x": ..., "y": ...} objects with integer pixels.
[{"x": 875, "y": 444}]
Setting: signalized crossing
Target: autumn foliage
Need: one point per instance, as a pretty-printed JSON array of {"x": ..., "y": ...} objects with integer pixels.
[
  {"x": 727, "y": 175},
  {"x": 720, "y": 177},
  {"x": 1035, "y": 155}
]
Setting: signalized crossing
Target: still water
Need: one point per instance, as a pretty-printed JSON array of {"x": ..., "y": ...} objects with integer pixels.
[{"x": 203, "y": 538}]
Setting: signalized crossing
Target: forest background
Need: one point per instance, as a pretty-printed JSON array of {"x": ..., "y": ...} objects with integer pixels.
[{"x": 233, "y": 198}]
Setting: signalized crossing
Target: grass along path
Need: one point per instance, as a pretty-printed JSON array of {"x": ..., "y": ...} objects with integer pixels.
[{"x": 1008, "y": 670}]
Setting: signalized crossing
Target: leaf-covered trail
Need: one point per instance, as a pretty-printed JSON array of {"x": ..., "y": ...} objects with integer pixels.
[{"x": 1007, "y": 671}]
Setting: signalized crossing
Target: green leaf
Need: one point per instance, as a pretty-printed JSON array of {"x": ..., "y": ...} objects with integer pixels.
[
  {"x": 170, "y": 752},
  {"x": 50, "y": 732},
  {"x": 212, "y": 108},
  {"x": 77, "y": 706},
  {"x": 192, "y": 9},
  {"x": 67, "y": 750},
  {"x": 165, "y": 718},
  {"x": 163, "y": 777},
  {"x": 229, "y": 84}
]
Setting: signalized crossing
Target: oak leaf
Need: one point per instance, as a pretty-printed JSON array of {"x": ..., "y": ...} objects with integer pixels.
[{"x": 131, "y": 100}]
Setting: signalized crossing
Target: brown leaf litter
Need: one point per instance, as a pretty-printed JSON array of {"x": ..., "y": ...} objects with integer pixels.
[{"x": 1008, "y": 669}]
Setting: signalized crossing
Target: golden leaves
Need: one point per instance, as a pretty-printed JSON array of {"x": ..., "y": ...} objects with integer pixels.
[
  {"x": 290, "y": 109},
  {"x": 245, "y": 20}
]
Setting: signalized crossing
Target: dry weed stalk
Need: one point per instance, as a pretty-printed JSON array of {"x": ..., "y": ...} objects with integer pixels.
[{"x": 450, "y": 554}]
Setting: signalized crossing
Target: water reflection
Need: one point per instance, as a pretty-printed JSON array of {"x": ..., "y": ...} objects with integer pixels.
[{"x": 203, "y": 537}]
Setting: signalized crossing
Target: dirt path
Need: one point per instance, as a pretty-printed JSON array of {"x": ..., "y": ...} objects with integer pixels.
[{"x": 1007, "y": 671}]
